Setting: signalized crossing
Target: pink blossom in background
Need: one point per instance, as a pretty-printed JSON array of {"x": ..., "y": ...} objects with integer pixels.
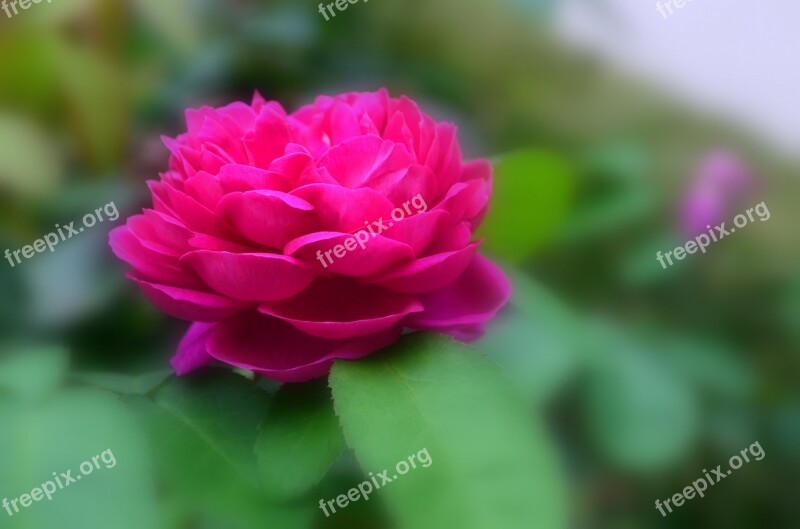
[
  {"x": 252, "y": 196},
  {"x": 721, "y": 181}
]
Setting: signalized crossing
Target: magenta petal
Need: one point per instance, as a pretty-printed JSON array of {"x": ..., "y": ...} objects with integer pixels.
[
  {"x": 266, "y": 217},
  {"x": 160, "y": 233},
  {"x": 242, "y": 178},
  {"x": 428, "y": 273},
  {"x": 277, "y": 350},
  {"x": 251, "y": 276},
  {"x": 466, "y": 200},
  {"x": 186, "y": 304},
  {"x": 204, "y": 188},
  {"x": 338, "y": 308},
  {"x": 473, "y": 298},
  {"x": 343, "y": 123},
  {"x": 298, "y": 167},
  {"x": 184, "y": 208},
  {"x": 343, "y": 209},
  {"x": 152, "y": 265},
  {"x": 377, "y": 254},
  {"x": 269, "y": 138},
  {"x": 418, "y": 230},
  {"x": 191, "y": 352},
  {"x": 360, "y": 159}
]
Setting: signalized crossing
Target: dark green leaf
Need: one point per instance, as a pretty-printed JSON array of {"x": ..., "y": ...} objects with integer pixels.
[
  {"x": 204, "y": 432},
  {"x": 299, "y": 441}
]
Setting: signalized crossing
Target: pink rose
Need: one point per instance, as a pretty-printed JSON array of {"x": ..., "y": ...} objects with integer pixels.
[{"x": 257, "y": 234}]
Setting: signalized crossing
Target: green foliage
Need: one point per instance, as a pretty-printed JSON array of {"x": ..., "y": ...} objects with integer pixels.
[
  {"x": 299, "y": 441},
  {"x": 206, "y": 428},
  {"x": 491, "y": 468},
  {"x": 125, "y": 384},
  {"x": 532, "y": 196},
  {"x": 203, "y": 432},
  {"x": 29, "y": 161},
  {"x": 640, "y": 414},
  {"x": 32, "y": 373},
  {"x": 615, "y": 191},
  {"x": 536, "y": 340},
  {"x": 58, "y": 435}
]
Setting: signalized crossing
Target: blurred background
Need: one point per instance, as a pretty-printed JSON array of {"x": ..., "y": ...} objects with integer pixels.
[{"x": 615, "y": 133}]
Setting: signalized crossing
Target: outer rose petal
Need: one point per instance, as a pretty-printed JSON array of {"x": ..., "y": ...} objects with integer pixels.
[
  {"x": 473, "y": 298},
  {"x": 275, "y": 349},
  {"x": 188, "y": 304},
  {"x": 428, "y": 273},
  {"x": 251, "y": 276},
  {"x": 339, "y": 308},
  {"x": 192, "y": 349},
  {"x": 154, "y": 266}
]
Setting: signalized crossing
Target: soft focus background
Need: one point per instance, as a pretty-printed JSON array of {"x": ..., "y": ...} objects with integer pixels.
[{"x": 604, "y": 121}]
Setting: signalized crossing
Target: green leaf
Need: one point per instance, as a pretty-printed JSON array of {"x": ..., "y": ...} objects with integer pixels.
[
  {"x": 58, "y": 436},
  {"x": 31, "y": 373},
  {"x": 616, "y": 191},
  {"x": 204, "y": 431},
  {"x": 532, "y": 197},
  {"x": 490, "y": 466},
  {"x": 641, "y": 414},
  {"x": 536, "y": 341},
  {"x": 125, "y": 384},
  {"x": 299, "y": 440}
]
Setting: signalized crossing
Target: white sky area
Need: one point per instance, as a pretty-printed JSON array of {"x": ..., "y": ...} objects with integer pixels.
[{"x": 740, "y": 58}]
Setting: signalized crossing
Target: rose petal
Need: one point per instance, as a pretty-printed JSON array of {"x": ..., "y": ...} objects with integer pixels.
[
  {"x": 270, "y": 218},
  {"x": 177, "y": 204},
  {"x": 150, "y": 264},
  {"x": 345, "y": 210},
  {"x": 376, "y": 254},
  {"x": 191, "y": 352},
  {"x": 418, "y": 230},
  {"x": 276, "y": 349},
  {"x": 473, "y": 298},
  {"x": 363, "y": 158},
  {"x": 428, "y": 273},
  {"x": 242, "y": 178},
  {"x": 251, "y": 276},
  {"x": 337, "y": 308},
  {"x": 186, "y": 304},
  {"x": 269, "y": 138}
]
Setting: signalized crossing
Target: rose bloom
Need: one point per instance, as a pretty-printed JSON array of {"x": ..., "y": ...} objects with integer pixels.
[{"x": 253, "y": 199}]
